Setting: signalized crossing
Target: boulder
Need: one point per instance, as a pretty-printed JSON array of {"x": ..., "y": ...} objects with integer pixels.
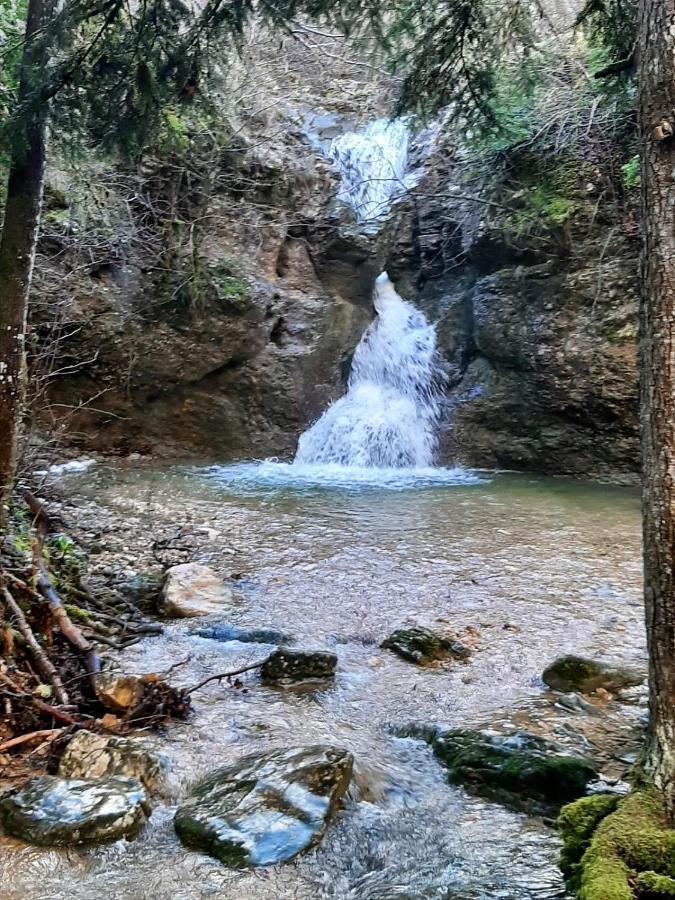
[
  {"x": 266, "y": 808},
  {"x": 226, "y": 633},
  {"x": 119, "y": 692},
  {"x": 58, "y": 812},
  {"x": 285, "y": 666},
  {"x": 422, "y": 646},
  {"x": 575, "y": 673},
  {"x": 513, "y": 767},
  {"x": 90, "y": 755},
  {"x": 192, "y": 589}
]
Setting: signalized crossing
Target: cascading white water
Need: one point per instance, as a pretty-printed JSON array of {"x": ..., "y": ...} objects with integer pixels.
[
  {"x": 389, "y": 416},
  {"x": 372, "y": 166}
]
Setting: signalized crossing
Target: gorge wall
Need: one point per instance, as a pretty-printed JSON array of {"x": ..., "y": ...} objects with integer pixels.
[{"x": 210, "y": 306}]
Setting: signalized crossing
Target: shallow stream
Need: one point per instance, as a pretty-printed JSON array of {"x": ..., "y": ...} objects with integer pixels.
[{"x": 525, "y": 568}]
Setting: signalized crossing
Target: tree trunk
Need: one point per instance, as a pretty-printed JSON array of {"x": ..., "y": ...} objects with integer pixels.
[
  {"x": 656, "y": 74},
  {"x": 18, "y": 242}
]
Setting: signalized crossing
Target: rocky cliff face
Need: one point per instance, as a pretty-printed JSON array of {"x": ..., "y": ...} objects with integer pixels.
[{"x": 222, "y": 322}]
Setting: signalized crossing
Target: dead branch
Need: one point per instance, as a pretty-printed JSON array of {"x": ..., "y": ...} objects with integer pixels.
[
  {"x": 49, "y": 733},
  {"x": 222, "y": 675},
  {"x": 43, "y": 663}
]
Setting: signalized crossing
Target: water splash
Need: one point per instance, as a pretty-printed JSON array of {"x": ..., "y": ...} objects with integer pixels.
[
  {"x": 372, "y": 166},
  {"x": 388, "y": 419}
]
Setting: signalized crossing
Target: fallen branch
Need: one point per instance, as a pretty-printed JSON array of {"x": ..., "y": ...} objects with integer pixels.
[
  {"x": 224, "y": 675},
  {"x": 49, "y": 733},
  {"x": 42, "y": 661}
]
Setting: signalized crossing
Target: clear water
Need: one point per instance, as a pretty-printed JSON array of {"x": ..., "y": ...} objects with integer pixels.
[
  {"x": 537, "y": 567},
  {"x": 372, "y": 165},
  {"x": 388, "y": 419}
]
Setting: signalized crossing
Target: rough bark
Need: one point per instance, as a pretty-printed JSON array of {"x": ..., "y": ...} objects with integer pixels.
[
  {"x": 19, "y": 237},
  {"x": 656, "y": 73}
]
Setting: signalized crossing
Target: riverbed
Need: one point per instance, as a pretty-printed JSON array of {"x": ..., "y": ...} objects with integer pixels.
[{"x": 521, "y": 568}]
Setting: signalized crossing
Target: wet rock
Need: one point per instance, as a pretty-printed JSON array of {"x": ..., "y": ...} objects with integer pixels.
[
  {"x": 422, "y": 646},
  {"x": 575, "y": 673},
  {"x": 58, "y": 812},
  {"x": 144, "y": 591},
  {"x": 226, "y": 633},
  {"x": 513, "y": 767},
  {"x": 285, "y": 666},
  {"x": 266, "y": 808},
  {"x": 90, "y": 755},
  {"x": 192, "y": 589},
  {"x": 119, "y": 692}
]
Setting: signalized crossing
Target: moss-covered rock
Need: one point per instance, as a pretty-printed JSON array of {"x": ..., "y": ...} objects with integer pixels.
[
  {"x": 422, "y": 646},
  {"x": 520, "y": 769},
  {"x": 577, "y": 823},
  {"x": 576, "y": 673},
  {"x": 632, "y": 849}
]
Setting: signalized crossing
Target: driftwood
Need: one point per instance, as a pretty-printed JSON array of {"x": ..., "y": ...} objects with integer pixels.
[{"x": 44, "y": 665}]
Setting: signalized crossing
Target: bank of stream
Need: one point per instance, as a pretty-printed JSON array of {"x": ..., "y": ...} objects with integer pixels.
[{"x": 524, "y": 569}]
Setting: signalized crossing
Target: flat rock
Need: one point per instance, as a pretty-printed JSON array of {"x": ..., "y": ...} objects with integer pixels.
[
  {"x": 576, "y": 673},
  {"x": 227, "y": 633},
  {"x": 119, "y": 692},
  {"x": 58, "y": 812},
  {"x": 90, "y": 755},
  {"x": 422, "y": 646},
  {"x": 286, "y": 666},
  {"x": 266, "y": 808},
  {"x": 508, "y": 765},
  {"x": 191, "y": 590}
]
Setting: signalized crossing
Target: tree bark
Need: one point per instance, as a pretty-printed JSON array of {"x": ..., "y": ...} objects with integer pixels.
[
  {"x": 19, "y": 238},
  {"x": 656, "y": 76}
]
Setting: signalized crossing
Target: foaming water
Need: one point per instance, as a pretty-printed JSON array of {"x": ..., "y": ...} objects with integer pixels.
[
  {"x": 389, "y": 417},
  {"x": 537, "y": 567},
  {"x": 372, "y": 165}
]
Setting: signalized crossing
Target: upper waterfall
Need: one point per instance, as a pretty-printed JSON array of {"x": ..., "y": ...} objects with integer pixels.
[
  {"x": 372, "y": 165},
  {"x": 389, "y": 416}
]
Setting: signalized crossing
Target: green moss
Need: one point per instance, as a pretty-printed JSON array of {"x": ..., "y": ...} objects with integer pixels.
[
  {"x": 630, "y": 173},
  {"x": 577, "y": 822},
  {"x": 633, "y": 839},
  {"x": 655, "y": 885},
  {"x": 77, "y": 613}
]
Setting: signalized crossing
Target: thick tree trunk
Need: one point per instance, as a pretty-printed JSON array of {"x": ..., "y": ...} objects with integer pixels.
[
  {"x": 656, "y": 73},
  {"x": 17, "y": 245}
]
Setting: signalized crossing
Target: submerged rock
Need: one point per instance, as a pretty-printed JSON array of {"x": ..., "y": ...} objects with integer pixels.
[
  {"x": 90, "y": 755},
  {"x": 192, "y": 589},
  {"x": 422, "y": 646},
  {"x": 245, "y": 635},
  {"x": 506, "y": 766},
  {"x": 58, "y": 812},
  {"x": 266, "y": 808},
  {"x": 575, "y": 673},
  {"x": 119, "y": 692},
  {"x": 285, "y": 666}
]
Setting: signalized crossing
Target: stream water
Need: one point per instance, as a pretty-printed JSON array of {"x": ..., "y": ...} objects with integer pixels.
[{"x": 531, "y": 568}]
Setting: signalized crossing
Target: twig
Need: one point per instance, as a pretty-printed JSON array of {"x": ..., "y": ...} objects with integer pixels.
[
  {"x": 224, "y": 675},
  {"x": 42, "y": 661},
  {"x": 31, "y": 736}
]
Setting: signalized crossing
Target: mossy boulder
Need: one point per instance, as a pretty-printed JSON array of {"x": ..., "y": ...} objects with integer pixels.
[
  {"x": 631, "y": 852},
  {"x": 60, "y": 812},
  {"x": 266, "y": 808},
  {"x": 577, "y": 823},
  {"x": 576, "y": 673},
  {"x": 422, "y": 646},
  {"x": 518, "y": 769}
]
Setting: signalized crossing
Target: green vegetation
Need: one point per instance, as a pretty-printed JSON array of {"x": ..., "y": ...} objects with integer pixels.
[
  {"x": 606, "y": 852},
  {"x": 630, "y": 173}
]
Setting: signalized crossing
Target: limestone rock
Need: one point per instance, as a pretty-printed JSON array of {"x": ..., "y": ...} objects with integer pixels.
[
  {"x": 226, "y": 633},
  {"x": 287, "y": 666},
  {"x": 510, "y": 766},
  {"x": 192, "y": 589},
  {"x": 422, "y": 646},
  {"x": 266, "y": 808},
  {"x": 119, "y": 692},
  {"x": 575, "y": 673},
  {"x": 58, "y": 812},
  {"x": 90, "y": 755}
]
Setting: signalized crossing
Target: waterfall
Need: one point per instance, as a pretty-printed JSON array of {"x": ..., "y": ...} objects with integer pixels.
[
  {"x": 372, "y": 165},
  {"x": 389, "y": 416}
]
